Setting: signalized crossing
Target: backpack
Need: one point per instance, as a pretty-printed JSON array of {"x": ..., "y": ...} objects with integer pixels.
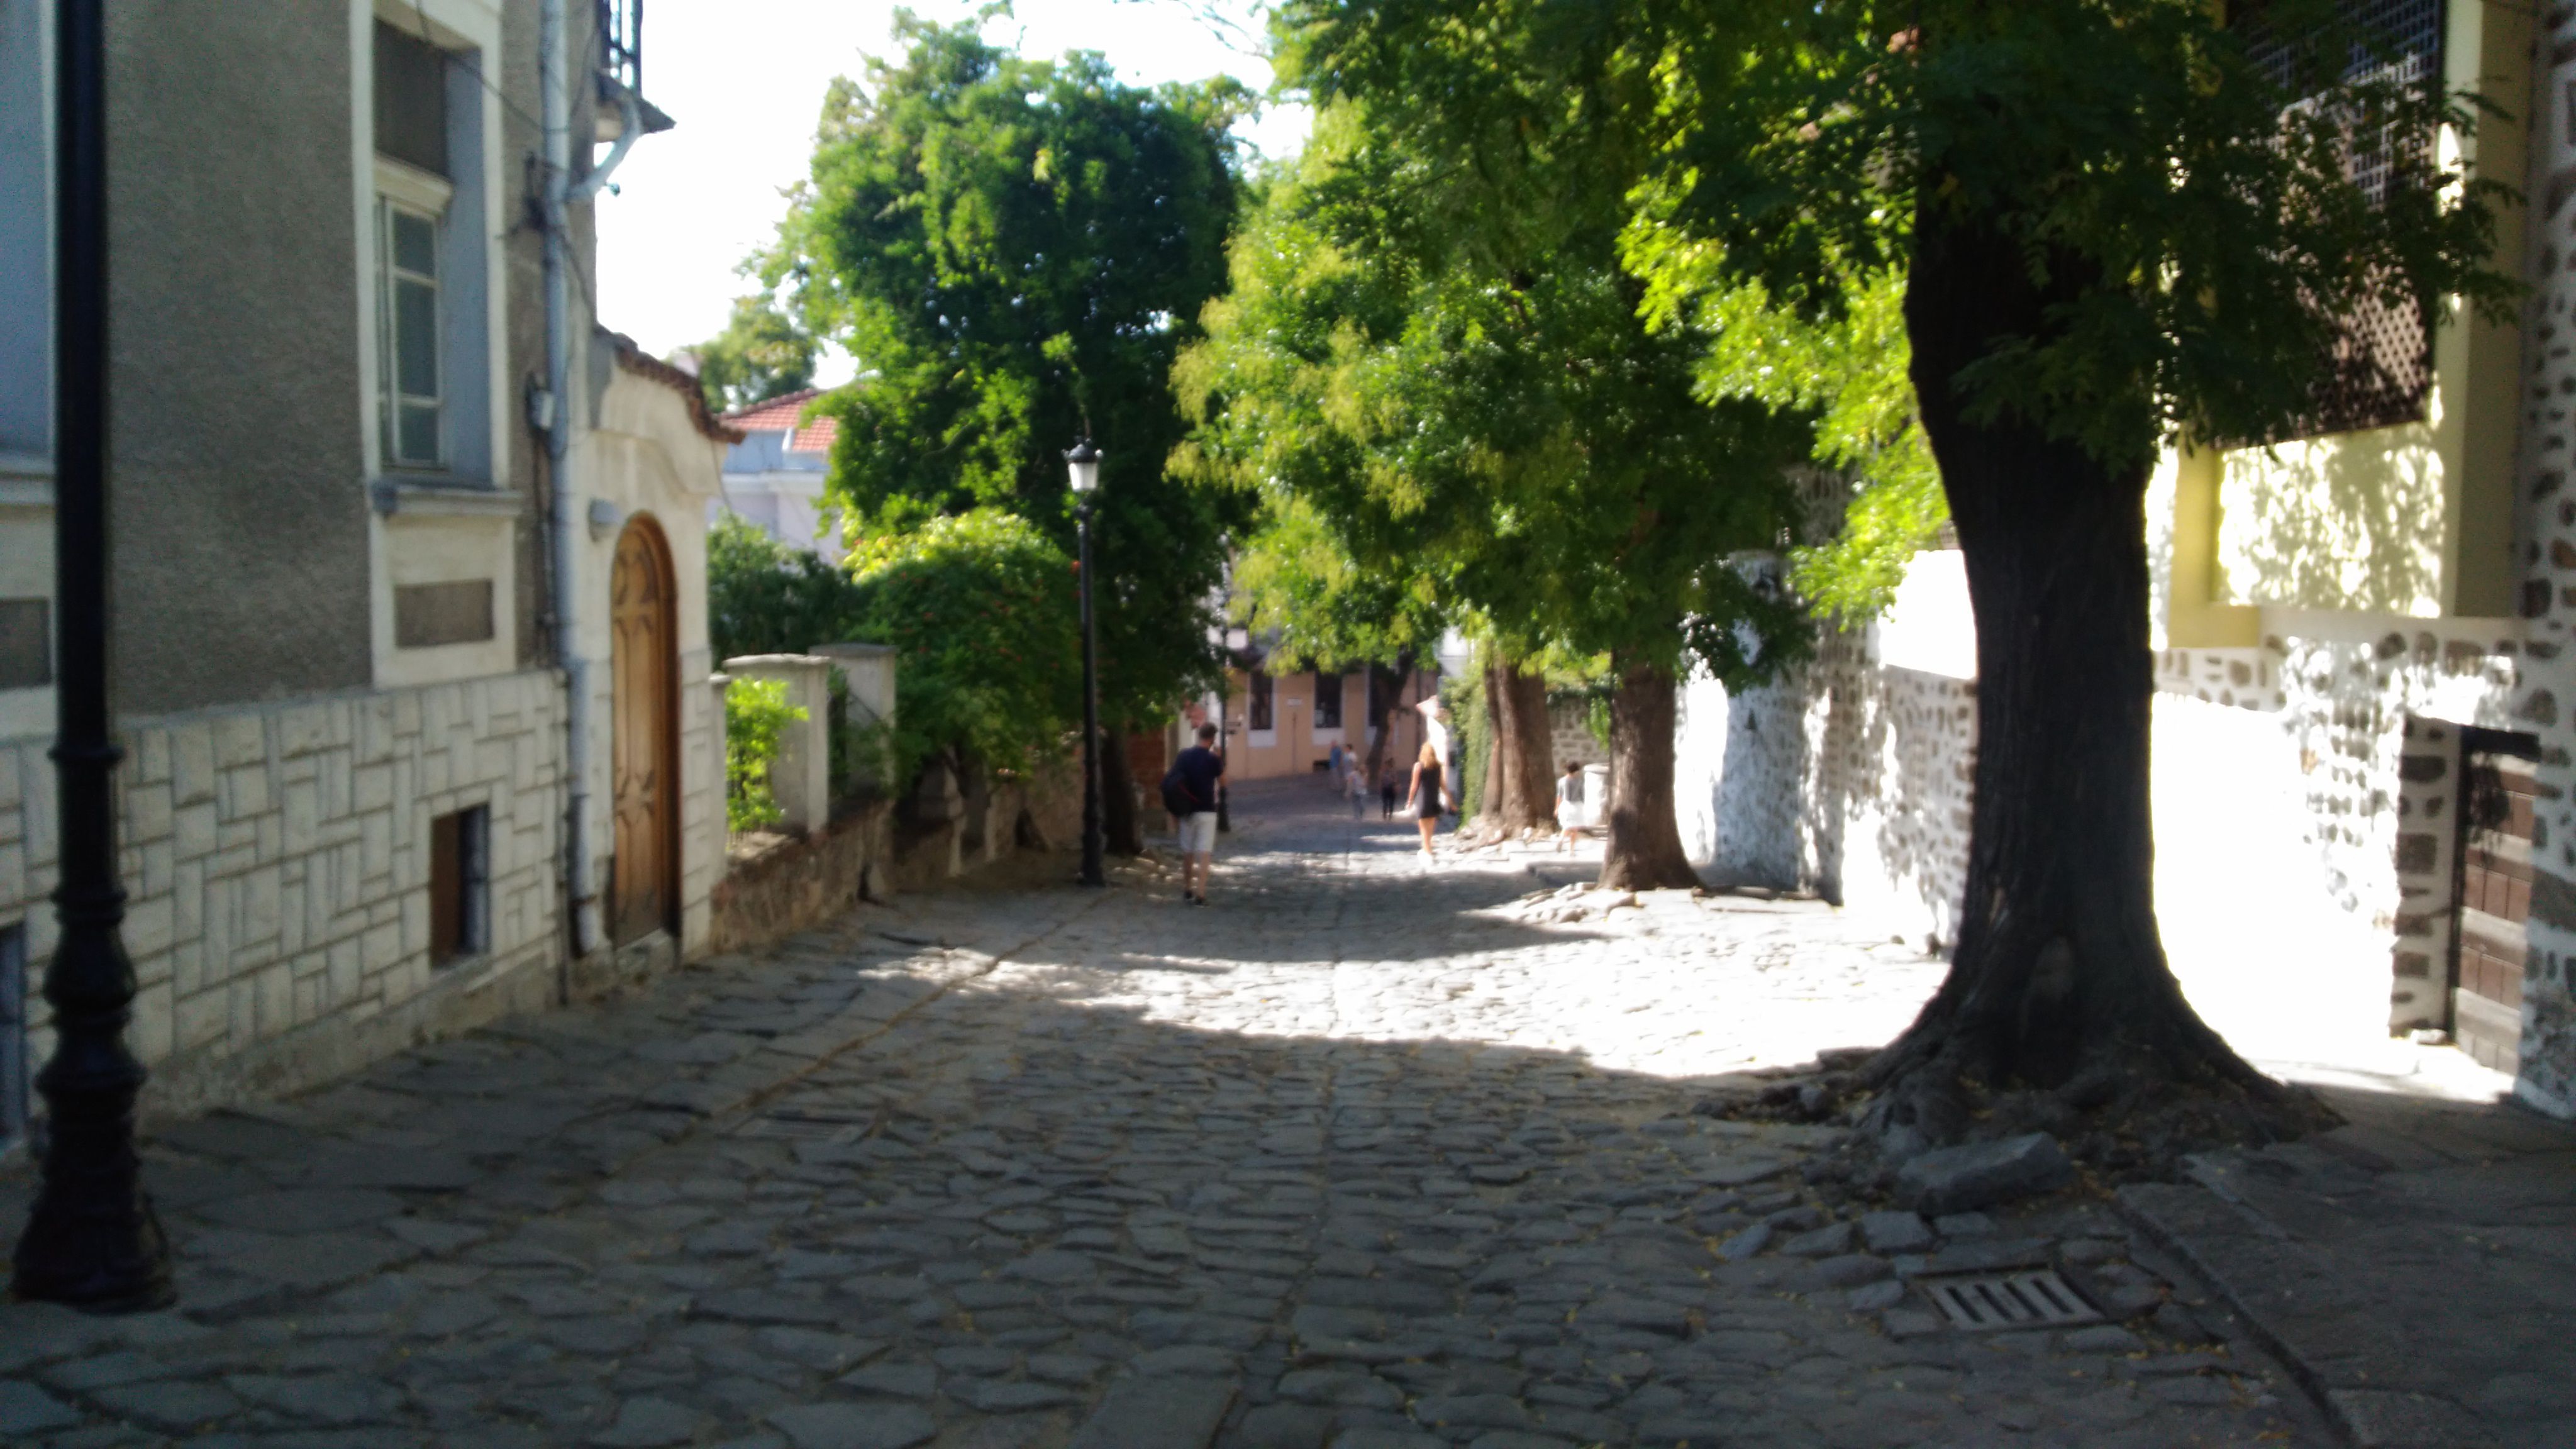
[{"x": 1176, "y": 793}]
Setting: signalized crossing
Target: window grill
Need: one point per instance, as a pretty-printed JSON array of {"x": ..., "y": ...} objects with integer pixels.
[
  {"x": 621, "y": 42},
  {"x": 2380, "y": 371}
]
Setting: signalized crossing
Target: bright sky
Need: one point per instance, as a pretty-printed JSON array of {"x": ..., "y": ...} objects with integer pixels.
[{"x": 744, "y": 79}]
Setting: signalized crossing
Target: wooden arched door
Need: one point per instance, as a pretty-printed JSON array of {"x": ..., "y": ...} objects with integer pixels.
[{"x": 644, "y": 726}]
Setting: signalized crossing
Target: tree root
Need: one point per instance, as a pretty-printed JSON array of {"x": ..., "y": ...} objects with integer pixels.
[{"x": 2129, "y": 1116}]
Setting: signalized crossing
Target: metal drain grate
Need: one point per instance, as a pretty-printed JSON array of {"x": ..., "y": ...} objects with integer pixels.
[{"x": 2035, "y": 1298}]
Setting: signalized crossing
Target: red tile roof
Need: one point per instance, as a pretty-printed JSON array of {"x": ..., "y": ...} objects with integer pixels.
[{"x": 786, "y": 414}]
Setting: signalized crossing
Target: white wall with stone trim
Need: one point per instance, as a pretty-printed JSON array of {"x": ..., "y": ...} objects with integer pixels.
[
  {"x": 277, "y": 860},
  {"x": 646, "y": 456},
  {"x": 2302, "y": 877}
]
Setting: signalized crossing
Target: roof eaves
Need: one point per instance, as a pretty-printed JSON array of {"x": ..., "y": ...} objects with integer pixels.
[{"x": 644, "y": 364}]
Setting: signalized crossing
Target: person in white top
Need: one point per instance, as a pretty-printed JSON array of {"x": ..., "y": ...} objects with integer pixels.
[{"x": 1569, "y": 805}]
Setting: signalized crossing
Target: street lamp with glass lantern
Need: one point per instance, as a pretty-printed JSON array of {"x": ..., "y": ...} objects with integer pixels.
[{"x": 1082, "y": 467}]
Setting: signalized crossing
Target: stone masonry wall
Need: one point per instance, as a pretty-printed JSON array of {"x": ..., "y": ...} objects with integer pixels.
[
  {"x": 1847, "y": 777},
  {"x": 1887, "y": 801},
  {"x": 2545, "y": 702},
  {"x": 2325, "y": 767},
  {"x": 277, "y": 857}
]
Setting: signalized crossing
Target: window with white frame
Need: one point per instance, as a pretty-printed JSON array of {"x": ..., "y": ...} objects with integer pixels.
[
  {"x": 407, "y": 326},
  {"x": 430, "y": 259}
]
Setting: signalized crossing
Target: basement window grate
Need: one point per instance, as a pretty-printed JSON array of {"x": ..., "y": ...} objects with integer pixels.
[{"x": 1984, "y": 1302}]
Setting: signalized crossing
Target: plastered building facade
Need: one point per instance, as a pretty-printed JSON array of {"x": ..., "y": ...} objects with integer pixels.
[{"x": 338, "y": 676}]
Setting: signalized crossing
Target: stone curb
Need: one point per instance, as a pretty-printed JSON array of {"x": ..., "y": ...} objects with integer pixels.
[{"x": 2229, "y": 1247}]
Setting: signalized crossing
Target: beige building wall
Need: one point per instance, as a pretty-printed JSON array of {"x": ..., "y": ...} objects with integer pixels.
[{"x": 1294, "y": 744}]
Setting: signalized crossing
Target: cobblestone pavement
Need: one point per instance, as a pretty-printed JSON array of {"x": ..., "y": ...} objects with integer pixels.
[{"x": 1369, "y": 1153}]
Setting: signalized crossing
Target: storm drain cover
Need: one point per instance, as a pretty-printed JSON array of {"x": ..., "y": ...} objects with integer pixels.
[{"x": 2033, "y": 1298}]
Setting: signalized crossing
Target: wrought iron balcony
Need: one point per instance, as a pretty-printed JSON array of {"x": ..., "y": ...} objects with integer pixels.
[{"x": 621, "y": 42}]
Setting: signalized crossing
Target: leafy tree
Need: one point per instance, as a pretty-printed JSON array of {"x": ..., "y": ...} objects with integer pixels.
[
  {"x": 989, "y": 668},
  {"x": 1847, "y": 366},
  {"x": 756, "y": 714},
  {"x": 1018, "y": 248},
  {"x": 1295, "y": 581},
  {"x": 762, "y": 353},
  {"x": 766, "y": 598},
  {"x": 1478, "y": 400},
  {"x": 2120, "y": 223}
]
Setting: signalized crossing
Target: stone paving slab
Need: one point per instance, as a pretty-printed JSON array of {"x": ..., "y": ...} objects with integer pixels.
[
  {"x": 2415, "y": 1269},
  {"x": 1370, "y": 1152}
]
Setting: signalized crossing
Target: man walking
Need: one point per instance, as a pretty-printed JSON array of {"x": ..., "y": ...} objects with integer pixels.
[{"x": 1199, "y": 768}]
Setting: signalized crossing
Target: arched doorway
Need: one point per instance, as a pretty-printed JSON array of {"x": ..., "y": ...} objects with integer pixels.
[{"x": 644, "y": 726}]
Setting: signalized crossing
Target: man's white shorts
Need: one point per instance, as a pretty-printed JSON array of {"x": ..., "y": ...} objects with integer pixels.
[{"x": 1198, "y": 833}]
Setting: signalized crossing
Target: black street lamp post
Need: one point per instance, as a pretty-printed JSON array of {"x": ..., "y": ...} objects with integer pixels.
[
  {"x": 1083, "y": 464},
  {"x": 91, "y": 1238},
  {"x": 1234, "y": 639}
]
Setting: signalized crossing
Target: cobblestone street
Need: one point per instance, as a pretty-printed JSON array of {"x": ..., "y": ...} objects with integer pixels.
[{"x": 1369, "y": 1153}]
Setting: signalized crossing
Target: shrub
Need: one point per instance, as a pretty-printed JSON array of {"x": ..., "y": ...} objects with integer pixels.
[
  {"x": 766, "y": 598},
  {"x": 756, "y": 710},
  {"x": 982, "y": 609}
]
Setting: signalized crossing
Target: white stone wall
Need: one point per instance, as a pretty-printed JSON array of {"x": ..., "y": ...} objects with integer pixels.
[
  {"x": 1850, "y": 776},
  {"x": 277, "y": 860},
  {"x": 2545, "y": 702},
  {"x": 2302, "y": 848}
]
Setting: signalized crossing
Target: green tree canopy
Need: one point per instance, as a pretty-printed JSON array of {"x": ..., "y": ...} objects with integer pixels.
[
  {"x": 990, "y": 667},
  {"x": 766, "y": 598},
  {"x": 1294, "y": 580},
  {"x": 1018, "y": 248},
  {"x": 1480, "y": 403},
  {"x": 1503, "y": 424},
  {"x": 762, "y": 353}
]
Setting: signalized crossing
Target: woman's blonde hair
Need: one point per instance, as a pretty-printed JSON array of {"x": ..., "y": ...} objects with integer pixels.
[{"x": 1430, "y": 757}]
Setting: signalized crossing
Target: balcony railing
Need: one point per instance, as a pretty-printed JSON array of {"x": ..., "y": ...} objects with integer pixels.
[{"x": 621, "y": 42}]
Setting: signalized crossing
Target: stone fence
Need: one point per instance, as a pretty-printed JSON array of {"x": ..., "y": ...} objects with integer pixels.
[{"x": 863, "y": 835}]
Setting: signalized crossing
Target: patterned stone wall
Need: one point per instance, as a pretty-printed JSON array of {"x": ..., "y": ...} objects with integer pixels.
[
  {"x": 1569, "y": 733},
  {"x": 2547, "y": 689},
  {"x": 278, "y": 862},
  {"x": 1887, "y": 803},
  {"x": 1848, "y": 777}
]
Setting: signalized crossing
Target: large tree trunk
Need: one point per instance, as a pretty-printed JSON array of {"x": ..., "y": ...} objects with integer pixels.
[
  {"x": 1520, "y": 791},
  {"x": 1521, "y": 742},
  {"x": 1489, "y": 800},
  {"x": 1644, "y": 851},
  {"x": 2059, "y": 978},
  {"x": 1120, "y": 830},
  {"x": 1386, "y": 684}
]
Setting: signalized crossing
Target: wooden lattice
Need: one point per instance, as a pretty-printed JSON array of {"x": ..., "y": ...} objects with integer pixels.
[{"x": 2381, "y": 370}]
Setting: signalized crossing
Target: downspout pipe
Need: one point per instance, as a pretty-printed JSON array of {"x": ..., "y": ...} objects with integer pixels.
[{"x": 555, "y": 71}]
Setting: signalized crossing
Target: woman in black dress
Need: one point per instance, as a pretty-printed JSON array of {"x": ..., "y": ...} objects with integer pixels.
[{"x": 1424, "y": 802}]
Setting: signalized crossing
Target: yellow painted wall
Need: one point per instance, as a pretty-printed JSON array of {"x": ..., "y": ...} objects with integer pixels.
[{"x": 2415, "y": 519}]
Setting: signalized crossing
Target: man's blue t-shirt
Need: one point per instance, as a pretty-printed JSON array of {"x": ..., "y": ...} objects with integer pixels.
[{"x": 1200, "y": 767}]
